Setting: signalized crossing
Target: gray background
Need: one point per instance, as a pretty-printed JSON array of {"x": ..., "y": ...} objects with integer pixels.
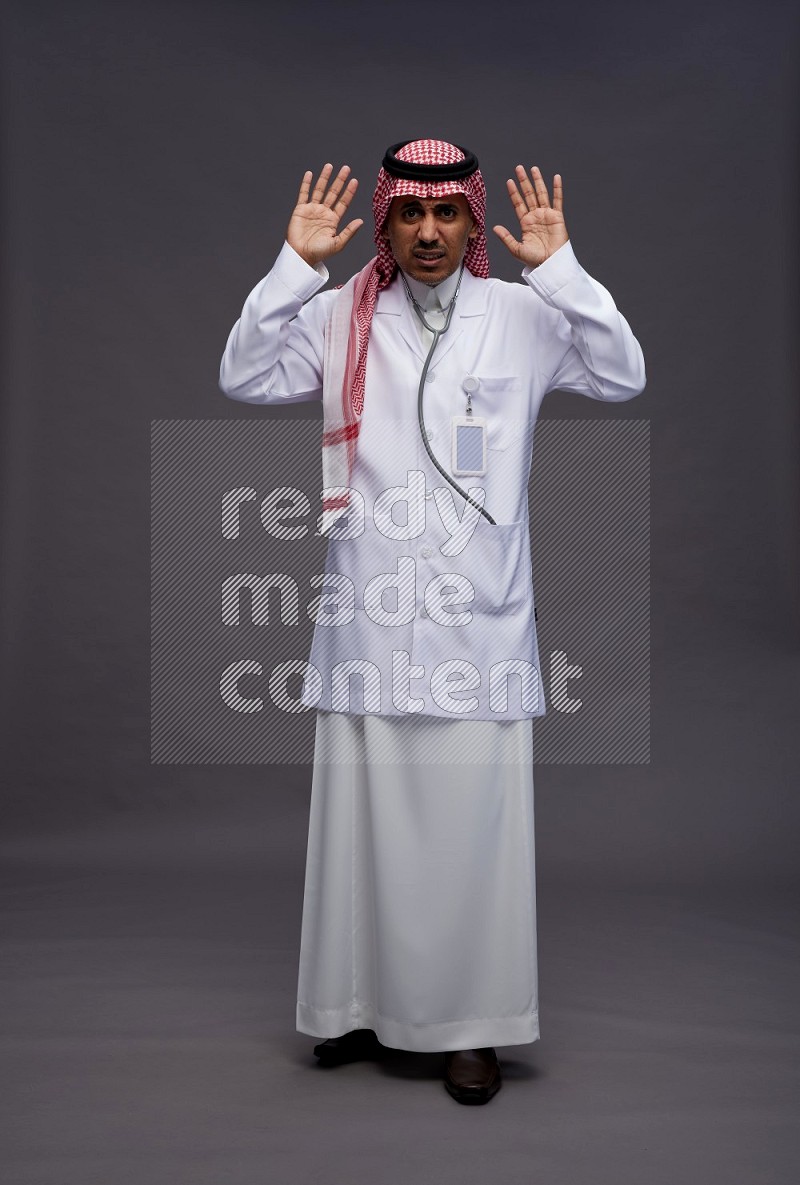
[{"x": 151, "y": 155}]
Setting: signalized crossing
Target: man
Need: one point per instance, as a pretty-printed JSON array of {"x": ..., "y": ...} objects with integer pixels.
[{"x": 419, "y": 909}]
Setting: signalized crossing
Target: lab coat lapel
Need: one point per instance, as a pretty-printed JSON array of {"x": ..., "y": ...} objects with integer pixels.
[{"x": 471, "y": 303}]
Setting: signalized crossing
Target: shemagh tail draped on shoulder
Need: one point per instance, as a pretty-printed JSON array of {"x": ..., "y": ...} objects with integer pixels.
[{"x": 348, "y": 328}]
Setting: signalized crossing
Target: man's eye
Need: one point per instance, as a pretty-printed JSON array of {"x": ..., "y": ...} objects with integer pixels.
[
  {"x": 447, "y": 211},
  {"x": 410, "y": 213}
]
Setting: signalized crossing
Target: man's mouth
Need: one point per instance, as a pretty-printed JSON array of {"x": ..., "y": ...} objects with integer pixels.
[{"x": 429, "y": 256}]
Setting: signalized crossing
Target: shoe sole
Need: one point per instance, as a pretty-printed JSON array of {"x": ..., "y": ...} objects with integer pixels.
[
  {"x": 472, "y": 1096},
  {"x": 360, "y": 1051}
]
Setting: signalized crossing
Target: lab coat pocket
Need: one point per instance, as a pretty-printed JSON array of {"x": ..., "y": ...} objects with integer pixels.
[
  {"x": 502, "y": 400},
  {"x": 496, "y": 561}
]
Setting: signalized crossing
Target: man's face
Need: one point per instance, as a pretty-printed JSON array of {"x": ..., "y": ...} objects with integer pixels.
[{"x": 429, "y": 236}]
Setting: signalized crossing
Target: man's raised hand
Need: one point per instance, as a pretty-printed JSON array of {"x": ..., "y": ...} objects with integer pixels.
[
  {"x": 312, "y": 230},
  {"x": 542, "y": 225}
]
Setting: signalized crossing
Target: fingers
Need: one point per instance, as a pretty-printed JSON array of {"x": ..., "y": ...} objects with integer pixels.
[
  {"x": 518, "y": 202},
  {"x": 305, "y": 186},
  {"x": 346, "y": 197},
  {"x": 558, "y": 194},
  {"x": 336, "y": 186},
  {"x": 507, "y": 239},
  {"x": 535, "y": 195},
  {"x": 322, "y": 182},
  {"x": 542, "y": 196},
  {"x": 336, "y": 194},
  {"x": 529, "y": 193},
  {"x": 523, "y": 194},
  {"x": 344, "y": 236}
]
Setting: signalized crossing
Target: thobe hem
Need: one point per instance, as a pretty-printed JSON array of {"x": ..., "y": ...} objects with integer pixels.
[{"x": 437, "y": 1036}]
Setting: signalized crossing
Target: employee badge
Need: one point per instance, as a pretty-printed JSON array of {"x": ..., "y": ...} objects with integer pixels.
[{"x": 468, "y": 437}]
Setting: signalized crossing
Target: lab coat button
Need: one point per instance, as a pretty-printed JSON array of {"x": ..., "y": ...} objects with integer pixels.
[
  {"x": 430, "y": 376},
  {"x": 428, "y": 495},
  {"x": 427, "y": 551}
]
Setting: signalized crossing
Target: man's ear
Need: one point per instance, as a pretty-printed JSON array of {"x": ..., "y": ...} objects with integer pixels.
[{"x": 474, "y": 230}]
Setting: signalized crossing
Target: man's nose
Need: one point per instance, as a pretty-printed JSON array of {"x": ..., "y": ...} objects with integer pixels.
[{"x": 428, "y": 229}]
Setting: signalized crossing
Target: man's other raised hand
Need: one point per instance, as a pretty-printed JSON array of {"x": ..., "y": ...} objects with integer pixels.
[
  {"x": 313, "y": 228},
  {"x": 542, "y": 226}
]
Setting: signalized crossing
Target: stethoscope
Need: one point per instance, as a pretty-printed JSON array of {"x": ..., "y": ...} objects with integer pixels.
[{"x": 437, "y": 333}]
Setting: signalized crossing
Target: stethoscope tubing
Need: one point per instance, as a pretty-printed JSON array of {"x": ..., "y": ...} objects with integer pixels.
[{"x": 437, "y": 333}]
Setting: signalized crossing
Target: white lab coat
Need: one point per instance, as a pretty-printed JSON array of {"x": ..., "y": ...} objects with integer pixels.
[
  {"x": 559, "y": 329},
  {"x": 419, "y": 905}
]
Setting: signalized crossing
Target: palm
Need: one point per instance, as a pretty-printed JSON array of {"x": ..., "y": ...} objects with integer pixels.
[
  {"x": 542, "y": 226},
  {"x": 313, "y": 228},
  {"x": 541, "y": 229}
]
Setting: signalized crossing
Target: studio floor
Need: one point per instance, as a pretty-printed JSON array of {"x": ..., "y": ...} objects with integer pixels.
[{"x": 149, "y": 981}]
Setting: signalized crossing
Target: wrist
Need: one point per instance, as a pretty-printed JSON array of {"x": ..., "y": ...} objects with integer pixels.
[
  {"x": 545, "y": 258},
  {"x": 298, "y": 250},
  {"x": 300, "y": 269},
  {"x": 307, "y": 258}
]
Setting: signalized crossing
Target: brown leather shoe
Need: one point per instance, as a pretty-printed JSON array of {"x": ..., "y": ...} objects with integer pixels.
[
  {"x": 472, "y": 1075},
  {"x": 350, "y": 1047}
]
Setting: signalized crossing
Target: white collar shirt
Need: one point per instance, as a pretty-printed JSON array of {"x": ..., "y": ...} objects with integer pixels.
[{"x": 434, "y": 299}]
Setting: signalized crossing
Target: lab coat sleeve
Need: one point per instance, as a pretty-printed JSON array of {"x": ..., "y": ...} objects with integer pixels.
[
  {"x": 590, "y": 348},
  {"x": 274, "y": 351}
]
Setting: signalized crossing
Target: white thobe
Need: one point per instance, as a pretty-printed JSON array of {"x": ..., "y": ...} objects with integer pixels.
[
  {"x": 419, "y": 913},
  {"x": 419, "y": 909}
]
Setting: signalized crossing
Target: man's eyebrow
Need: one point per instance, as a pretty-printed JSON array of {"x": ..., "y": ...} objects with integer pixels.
[{"x": 412, "y": 201}]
